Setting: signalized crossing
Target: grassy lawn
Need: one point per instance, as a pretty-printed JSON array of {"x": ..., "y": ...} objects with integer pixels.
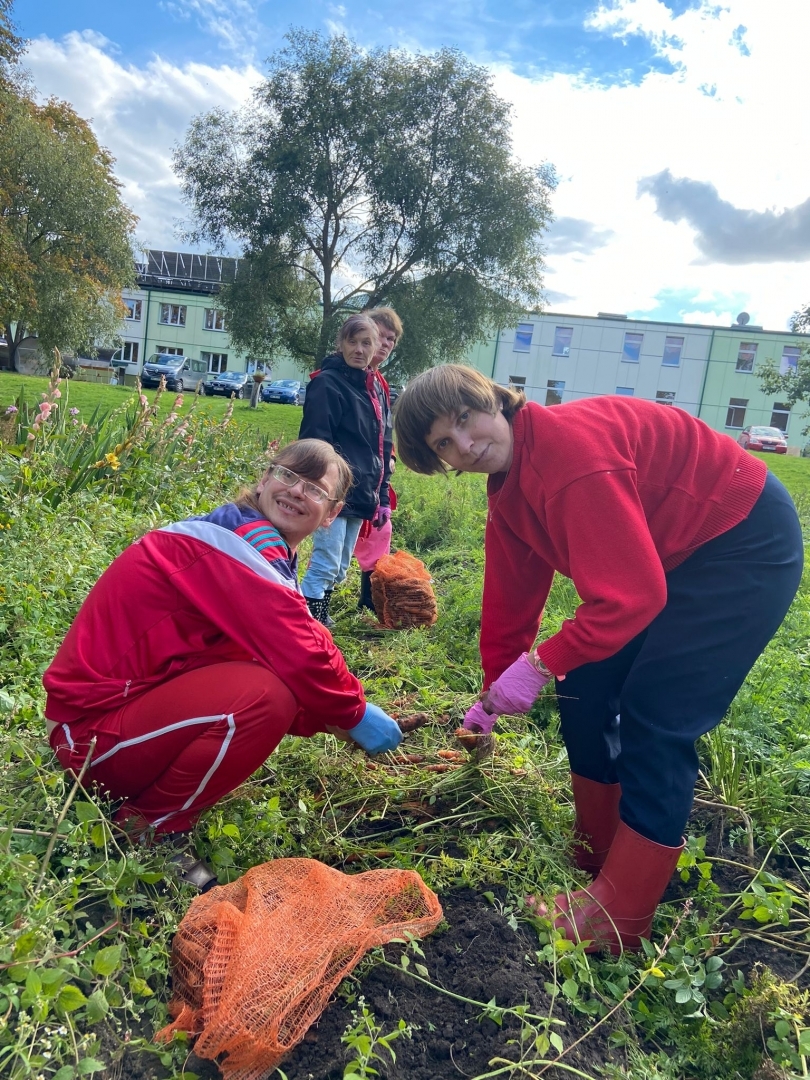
[{"x": 280, "y": 421}]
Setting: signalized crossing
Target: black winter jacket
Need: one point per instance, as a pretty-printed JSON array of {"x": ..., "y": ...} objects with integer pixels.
[{"x": 347, "y": 408}]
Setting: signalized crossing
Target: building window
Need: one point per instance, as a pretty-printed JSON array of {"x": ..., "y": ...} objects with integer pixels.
[
  {"x": 735, "y": 417},
  {"x": 790, "y": 359},
  {"x": 562, "y": 340},
  {"x": 173, "y": 314},
  {"x": 216, "y": 362},
  {"x": 129, "y": 352},
  {"x": 518, "y": 381},
  {"x": 625, "y": 391},
  {"x": 214, "y": 319},
  {"x": 780, "y": 416},
  {"x": 555, "y": 392},
  {"x": 746, "y": 356},
  {"x": 171, "y": 350},
  {"x": 133, "y": 310},
  {"x": 631, "y": 350},
  {"x": 672, "y": 351},
  {"x": 665, "y": 397},
  {"x": 523, "y": 337}
]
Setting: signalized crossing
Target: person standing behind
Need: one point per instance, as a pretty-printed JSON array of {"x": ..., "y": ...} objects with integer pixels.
[
  {"x": 346, "y": 407},
  {"x": 375, "y": 541}
]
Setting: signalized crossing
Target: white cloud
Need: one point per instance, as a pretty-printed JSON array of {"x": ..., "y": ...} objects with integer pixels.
[
  {"x": 233, "y": 22},
  {"x": 139, "y": 114},
  {"x": 745, "y": 140}
]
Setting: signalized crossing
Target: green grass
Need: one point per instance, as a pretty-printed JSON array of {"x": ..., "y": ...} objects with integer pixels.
[{"x": 277, "y": 421}]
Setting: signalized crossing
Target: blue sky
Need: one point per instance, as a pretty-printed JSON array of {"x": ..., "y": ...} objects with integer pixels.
[{"x": 671, "y": 123}]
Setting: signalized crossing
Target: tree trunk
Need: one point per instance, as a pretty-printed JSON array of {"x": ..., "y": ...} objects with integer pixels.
[{"x": 255, "y": 390}]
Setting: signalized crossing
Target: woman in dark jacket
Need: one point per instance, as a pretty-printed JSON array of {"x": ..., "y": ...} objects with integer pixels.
[{"x": 345, "y": 407}]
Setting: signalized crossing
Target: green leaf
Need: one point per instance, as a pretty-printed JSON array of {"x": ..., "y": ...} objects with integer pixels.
[
  {"x": 69, "y": 999},
  {"x": 233, "y": 830},
  {"x": 98, "y": 834},
  {"x": 86, "y": 811},
  {"x": 570, "y": 988},
  {"x": 140, "y": 987},
  {"x": 90, "y": 1065},
  {"x": 782, "y": 1028},
  {"x": 556, "y": 1042},
  {"x": 107, "y": 960},
  {"x": 67, "y": 1072},
  {"x": 804, "y": 1042},
  {"x": 97, "y": 1007},
  {"x": 422, "y": 970},
  {"x": 683, "y": 995}
]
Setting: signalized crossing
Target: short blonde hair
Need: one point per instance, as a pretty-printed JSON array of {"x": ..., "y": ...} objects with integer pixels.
[
  {"x": 309, "y": 458},
  {"x": 354, "y": 325},
  {"x": 387, "y": 317},
  {"x": 444, "y": 391}
]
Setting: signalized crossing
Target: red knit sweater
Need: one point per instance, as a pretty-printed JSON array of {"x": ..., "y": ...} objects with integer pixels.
[{"x": 613, "y": 492}]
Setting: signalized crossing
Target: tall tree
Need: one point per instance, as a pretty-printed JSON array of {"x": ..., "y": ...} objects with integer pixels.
[
  {"x": 792, "y": 385},
  {"x": 356, "y": 179},
  {"x": 65, "y": 234}
]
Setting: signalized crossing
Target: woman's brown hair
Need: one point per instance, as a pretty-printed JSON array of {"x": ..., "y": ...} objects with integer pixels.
[
  {"x": 354, "y": 325},
  {"x": 444, "y": 391},
  {"x": 309, "y": 458}
]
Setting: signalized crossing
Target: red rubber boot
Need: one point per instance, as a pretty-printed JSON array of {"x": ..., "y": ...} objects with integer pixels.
[
  {"x": 617, "y": 910},
  {"x": 597, "y": 809}
]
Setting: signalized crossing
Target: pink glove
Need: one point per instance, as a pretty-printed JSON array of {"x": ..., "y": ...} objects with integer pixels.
[
  {"x": 516, "y": 690},
  {"x": 479, "y": 720},
  {"x": 381, "y": 516}
]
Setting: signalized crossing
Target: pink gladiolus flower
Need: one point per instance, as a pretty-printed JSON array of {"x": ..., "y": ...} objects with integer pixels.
[{"x": 57, "y": 393}]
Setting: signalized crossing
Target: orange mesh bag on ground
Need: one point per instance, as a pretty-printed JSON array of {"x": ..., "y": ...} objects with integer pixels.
[
  {"x": 402, "y": 593},
  {"x": 254, "y": 963}
]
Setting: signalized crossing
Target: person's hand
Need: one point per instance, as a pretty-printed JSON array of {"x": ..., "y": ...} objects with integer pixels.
[
  {"x": 376, "y": 732},
  {"x": 517, "y": 688},
  {"x": 381, "y": 515},
  {"x": 480, "y": 721}
]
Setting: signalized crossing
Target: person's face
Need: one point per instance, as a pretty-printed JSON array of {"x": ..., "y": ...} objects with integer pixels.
[
  {"x": 358, "y": 351},
  {"x": 388, "y": 340},
  {"x": 473, "y": 441},
  {"x": 294, "y": 513}
]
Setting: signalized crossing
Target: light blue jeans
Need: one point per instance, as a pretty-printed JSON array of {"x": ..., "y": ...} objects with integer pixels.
[{"x": 331, "y": 554}]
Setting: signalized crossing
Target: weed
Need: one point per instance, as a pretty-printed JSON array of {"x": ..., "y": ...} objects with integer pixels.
[{"x": 366, "y": 1041}]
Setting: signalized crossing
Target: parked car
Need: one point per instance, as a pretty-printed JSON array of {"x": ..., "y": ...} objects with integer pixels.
[
  {"x": 285, "y": 392},
  {"x": 230, "y": 382},
  {"x": 763, "y": 438},
  {"x": 180, "y": 372}
]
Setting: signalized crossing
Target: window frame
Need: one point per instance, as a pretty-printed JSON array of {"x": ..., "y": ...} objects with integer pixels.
[
  {"x": 625, "y": 391},
  {"x": 665, "y": 397},
  {"x": 747, "y": 346},
  {"x": 789, "y": 352},
  {"x": 208, "y": 359},
  {"x": 780, "y": 409},
  {"x": 564, "y": 350},
  {"x": 134, "y": 348},
  {"x": 524, "y": 336},
  {"x": 736, "y": 405},
  {"x": 182, "y": 311},
  {"x": 214, "y": 315},
  {"x": 667, "y": 346},
  {"x": 626, "y": 359},
  {"x": 137, "y": 309},
  {"x": 555, "y": 388}
]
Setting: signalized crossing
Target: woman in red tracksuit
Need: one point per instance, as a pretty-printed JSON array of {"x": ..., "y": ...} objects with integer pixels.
[
  {"x": 195, "y": 653},
  {"x": 686, "y": 553}
]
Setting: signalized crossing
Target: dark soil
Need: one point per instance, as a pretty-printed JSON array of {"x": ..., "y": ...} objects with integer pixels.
[{"x": 477, "y": 956}]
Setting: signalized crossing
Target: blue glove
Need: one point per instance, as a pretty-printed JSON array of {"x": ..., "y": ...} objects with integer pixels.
[{"x": 376, "y": 732}]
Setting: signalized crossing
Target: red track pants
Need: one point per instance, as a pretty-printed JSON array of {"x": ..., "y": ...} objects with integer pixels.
[{"x": 181, "y": 747}]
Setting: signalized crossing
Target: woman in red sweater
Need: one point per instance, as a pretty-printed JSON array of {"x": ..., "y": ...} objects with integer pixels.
[{"x": 686, "y": 554}]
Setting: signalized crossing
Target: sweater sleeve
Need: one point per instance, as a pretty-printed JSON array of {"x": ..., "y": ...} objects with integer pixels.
[
  {"x": 322, "y": 411},
  {"x": 617, "y": 572},
  {"x": 272, "y": 624},
  {"x": 516, "y": 586}
]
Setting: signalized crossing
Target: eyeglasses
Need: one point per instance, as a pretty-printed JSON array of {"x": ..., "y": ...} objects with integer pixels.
[{"x": 290, "y": 479}]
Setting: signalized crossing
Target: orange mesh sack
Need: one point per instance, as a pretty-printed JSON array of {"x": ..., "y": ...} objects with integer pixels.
[
  {"x": 254, "y": 963},
  {"x": 402, "y": 593}
]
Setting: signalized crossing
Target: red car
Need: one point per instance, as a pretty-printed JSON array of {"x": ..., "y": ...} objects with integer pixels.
[{"x": 763, "y": 438}]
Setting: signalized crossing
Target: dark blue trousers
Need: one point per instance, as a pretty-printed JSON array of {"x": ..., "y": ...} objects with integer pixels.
[{"x": 634, "y": 717}]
